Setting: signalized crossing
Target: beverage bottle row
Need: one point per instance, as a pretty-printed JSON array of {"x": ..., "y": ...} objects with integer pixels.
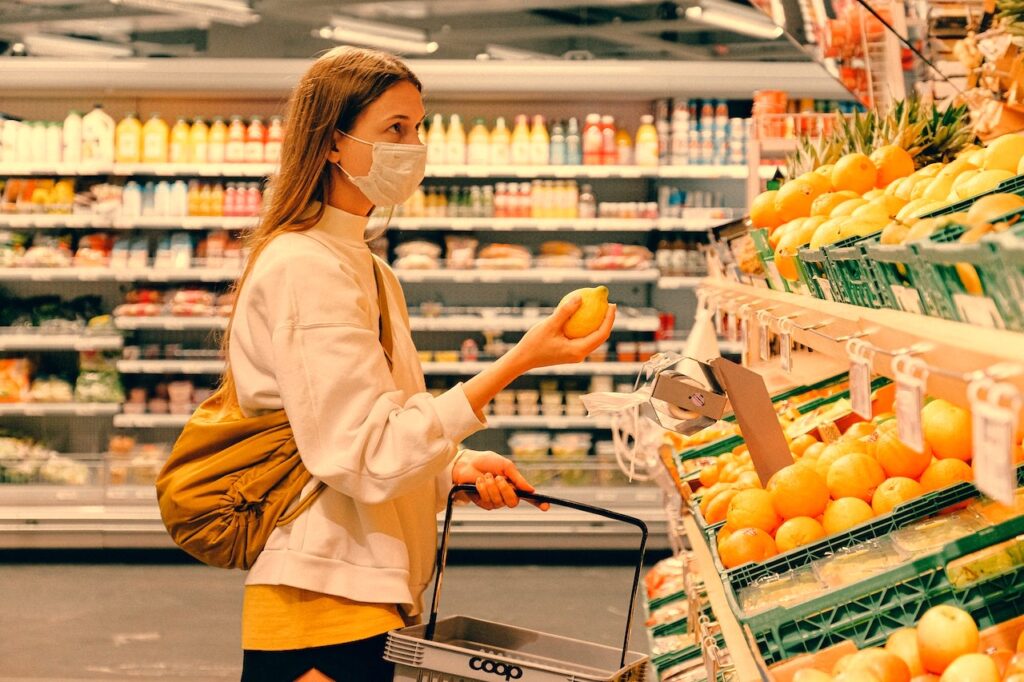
[
  {"x": 539, "y": 199},
  {"x": 680, "y": 258},
  {"x": 96, "y": 139},
  {"x": 701, "y": 133},
  {"x": 673, "y": 200},
  {"x": 178, "y": 199},
  {"x": 564, "y": 143}
]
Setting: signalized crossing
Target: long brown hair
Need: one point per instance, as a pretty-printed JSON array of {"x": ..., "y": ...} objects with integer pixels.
[{"x": 330, "y": 96}]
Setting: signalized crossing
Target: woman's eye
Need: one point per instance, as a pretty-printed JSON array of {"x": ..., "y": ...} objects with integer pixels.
[{"x": 397, "y": 128}]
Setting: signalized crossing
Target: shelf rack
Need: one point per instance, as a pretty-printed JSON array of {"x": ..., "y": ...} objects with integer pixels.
[
  {"x": 429, "y": 368},
  {"x": 15, "y": 339}
]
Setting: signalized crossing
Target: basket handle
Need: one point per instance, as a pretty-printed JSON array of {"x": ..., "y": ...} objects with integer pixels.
[{"x": 442, "y": 555}]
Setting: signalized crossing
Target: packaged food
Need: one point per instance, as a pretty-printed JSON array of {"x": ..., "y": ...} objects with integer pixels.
[
  {"x": 528, "y": 446},
  {"x": 600, "y": 354},
  {"x": 793, "y": 587},
  {"x": 986, "y": 563},
  {"x": 94, "y": 250},
  {"x": 504, "y": 257},
  {"x": 671, "y": 644},
  {"x": 853, "y": 564},
  {"x": 669, "y": 613},
  {"x": 418, "y": 248},
  {"x": 48, "y": 251},
  {"x": 461, "y": 252},
  {"x": 416, "y": 262},
  {"x": 618, "y": 257},
  {"x": 15, "y": 380},
  {"x": 51, "y": 390},
  {"x": 996, "y": 512},
  {"x": 929, "y": 535}
]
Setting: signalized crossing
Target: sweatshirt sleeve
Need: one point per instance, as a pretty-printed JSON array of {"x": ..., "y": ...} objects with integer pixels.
[{"x": 355, "y": 430}]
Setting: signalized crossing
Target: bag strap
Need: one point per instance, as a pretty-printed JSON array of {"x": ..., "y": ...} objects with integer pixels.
[{"x": 387, "y": 336}]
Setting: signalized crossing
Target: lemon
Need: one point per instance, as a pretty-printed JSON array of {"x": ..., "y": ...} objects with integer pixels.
[
  {"x": 847, "y": 207},
  {"x": 960, "y": 184},
  {"x": 1004, "y": 153},
  {"x": 986, "y": 180},
  {"x": 939, "y": 188},
  {"x": 591, "y": 314},
  {"x": 955, "y": 168}
]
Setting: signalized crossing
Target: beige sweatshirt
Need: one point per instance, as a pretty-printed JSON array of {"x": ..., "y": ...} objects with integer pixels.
[{"x": 306, "y": 338}]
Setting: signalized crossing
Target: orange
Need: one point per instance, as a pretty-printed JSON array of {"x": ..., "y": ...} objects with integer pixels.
[
  {"x": 719, "y": 506},
  {"x": 854, "y": 172},
  {"x": 845, "y": 513},
  {"x": 945, "y": 633},
  {"x": 753, "y": 509},
  {"x": 797, "y": 491},
  {"x": 800, "y": 444},
  {"x": 887, "y": 666},
  {"x": 894, "y": 491},
  {"x": 813, "y": 451},
  {"x": 794, "y": 200},
  {"x": 947, "y": 429},
  {"x": 746, "y": 545},
  {"x": 892, "y": 163},
  {"x": 833, "y": 451},
  {"x": 859, "y": 430},
  {"x": 762, "y": 210},
  {"x": 709, "y": 475},
  {"x": 749, "y": 479},
  {"x": 724, "y": 532},
  {"x": 819, "y": 181},
  {"x": 825, "y": 203},
  {"x": 903, "y": 643},
  {"x": 710, "y": 494},
  {"x": 797, "y": 531},
  {"x": 811, "y": 675},
  {"x": 972, "y": 667},
  {"x": 854, "y": 475},
  {"x": 944, "y": 473},
  {"x": 895, "y": 457}
]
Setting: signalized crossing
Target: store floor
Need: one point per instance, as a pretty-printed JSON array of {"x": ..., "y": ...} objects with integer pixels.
[{"x": 88, "y": 621}]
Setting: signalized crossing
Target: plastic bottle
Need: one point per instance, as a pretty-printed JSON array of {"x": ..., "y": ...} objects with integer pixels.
[
  {"x": 131, "y": 200},
  {"x": 234, "y": 147},
  {"x": 9, "y": 142},
  {"x": 520, "y": 155},
  {"x": 38, "y": 141},
  {"x": 647, "y": 148},
  {"x": 148, "y": 202},
  {"x": 253, "y": 199},
  {"x": 180, "y": 141},
  {"x": 609, "y": 153},
  {"x": 162, "y": 199},
  {"x": 587, "y": 203},
  {"x": 540, "y": 142},
  {"x": 573, "y": 144},
  {"x": 455, "y": 142},
  {"x": 217, "y": 141},
  {"x": 593, "y": 141},
  {"x": 217, "y": 200},
  {"x": 721, "y": 117},
  {"x": 199, "y": 142},
  {"x": 255, "y": 139},
  {"x": 436, "y": 141},
  {"x": 229, "y": 206},
  {"x": 275, "y": 137},
  {"x": 24, "y": 144},
  {"x": 179, "y": 198},
  {"x": 155, "y": 140},
  {"x": 501, "y": 144},
  {"x": 98, "y": 136},
  {"x": 129, "y": 139},
  {"x": 53, "y": 143},
  {"x": 623, "y": 148},
  {"x": 557, "y": 155},
  {"x": 204, "y": 200},
  {"x": 478, "y": 152}
]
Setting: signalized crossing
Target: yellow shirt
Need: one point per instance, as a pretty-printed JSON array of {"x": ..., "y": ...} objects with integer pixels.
[{"x": 280, "y": 618}]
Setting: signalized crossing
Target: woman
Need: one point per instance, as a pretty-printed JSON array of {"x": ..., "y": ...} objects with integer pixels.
[{"x": 307, "y": 334}]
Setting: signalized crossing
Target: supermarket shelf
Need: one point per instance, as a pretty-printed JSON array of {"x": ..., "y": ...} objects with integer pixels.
[
  {"x": 727, "y": 172},
  {"x": 581, "y": 369},
  {"x": 778, "y": 146},
  {"x": 53, "y": 220},
  {"x": 130, "y": 518},
  {"x": 170, "y": 366},
  {"x": 679, "y": 282},
  {"x": 104, "y": 274},
  {"x": 170, "y": 323},
  {"x": 542, "y": 422},
  {"x": 768, "y": 172},
  {"x": 36, "y": 340},
  {"x": 476, "y": 323},
  {"x": 150, "y": 421},
  {"x": 185, "y": 223},
  {"x": 547, "y": 276},
  {"x": 558, "y": 224},
  {"x": 59, "y": 409}
]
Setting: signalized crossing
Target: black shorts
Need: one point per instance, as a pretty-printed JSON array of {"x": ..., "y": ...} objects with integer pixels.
[{"x": 360, "y": 661}]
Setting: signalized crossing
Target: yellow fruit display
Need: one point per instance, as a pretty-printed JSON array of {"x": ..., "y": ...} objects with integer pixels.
[
  {"x": 845, "y": 513},
  {"x": 847, "y": 207},
  {"x": 986, "y": 180},
  {"x": 825, "y": 170},
  {"x": 930, "y": 171},
  {"x": 794, "y": 200},
  {"x": 821, "y": 183},
  {"x": 988, "y": 208},
  {"x": 854, "y": 172},
  {"x": 1004, "y": 153},
  {"x": 892, "y": 163},
  {"x": 953, "y": 169},
  {"x": 894, "y": 233},
  {"x": 873, "y": 194},
  {"x": 825, "y": 203},
  {"x": 977, "y": 157},
  {"x": 904, "y": 213},
  {"x": 797, "y": 531},
  {"x": 874, "y": 210},
  {"x": 591, "y": 314},
  {"x": 938, "y": 188},
  {"x": 923, "y": 229},
  {"x": 834, "y": 230},
  {"x": 959, "y": 190},
  {"x": 762, "y": 210},
  {"x": 753, "y": 509}
]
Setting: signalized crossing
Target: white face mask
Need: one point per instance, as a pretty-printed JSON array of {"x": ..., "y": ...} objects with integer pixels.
[{"x": 396, "y": 171}]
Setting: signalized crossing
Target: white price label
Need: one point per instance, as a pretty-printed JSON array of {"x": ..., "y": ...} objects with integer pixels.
[
  {"x": 979, "y": 310},
  {"x": 994, "y": 424},
  {"x": 745, "y": 341},
  {"x": 860, "y": 387},
  {"x": 826, "y": 288},
  {"x": 908, "y": 403},
  {"x": 764, "y": 341},
  {"x": 732, "y": 327},
  {"x": 719, "y": 320},
  {"x": 907, "y": 298},
  {"x": 774, "y": 277},
  {"x": 786, "y": 351}
]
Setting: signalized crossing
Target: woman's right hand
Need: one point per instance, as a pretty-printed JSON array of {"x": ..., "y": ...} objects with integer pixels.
[{"x": 546, "y": 343}]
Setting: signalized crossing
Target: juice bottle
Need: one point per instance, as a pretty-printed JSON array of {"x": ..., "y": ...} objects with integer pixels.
[
  {"x": 71, "y": 134},
  {"x": 180, "y": 140},
  {"x": 217, "y": 200},
  {"x": 179, "y": 198},
  {"x": 234, "y": 147},
  {"x": 275, "y": 136},
  {"x": 557, "y": 153},
  {"x": 573, "y": 144},
  {"x": 255, "y": 138},
  {"x": 520, "y": 154},
  {"x": 205, "y": 196},
  {"x": 623, "y": 148},
  {"x": 155, "y": 140},
  {"x": 608, "y": 152},
  {"x": 39, "y": 141},
  {"x": 199, "y": 142},
  {"x": 478, "y": 152},
  {"x": 455, "y": 142},
  {"x": 587, "y": 203},
  {"x": 647, "y": 148},
  {"x": 129, "y": 139},
  {"x": 436, "y": 141},
  {"x": 98, "y": 136},
  {"x": 230, "y": 205},
  {"x": 593, "y": 141},
  {"x": 193, "y": 197},
  {"x": 540, "y": 143},
  {"x": 53, "y": 143},
  {"x": 501, "y": 144},
  {"x": 217, "y": 141}
]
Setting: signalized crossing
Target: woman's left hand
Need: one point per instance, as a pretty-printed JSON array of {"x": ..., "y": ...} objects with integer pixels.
[{"x": 496, "y": 479}]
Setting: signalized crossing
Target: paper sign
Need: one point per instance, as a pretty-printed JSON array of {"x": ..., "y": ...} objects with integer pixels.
[
  {"x": 908, "y": 404},
  {"x": 826, "y": 288},
  {"x": 764, "y": 341},
  {"x": 745, "y": 341},
  {"x": 860, "y": 387},
  {"x": 732, "y": 327},
  {"x": 979, "y": 310},
  {"x": 773, "y": 276},
  {"x": 993, "y": 428},
  {"x": 786, "y": 351},
  {"x": 907, "y": 298},
  {"x": 829, "y": 432}
]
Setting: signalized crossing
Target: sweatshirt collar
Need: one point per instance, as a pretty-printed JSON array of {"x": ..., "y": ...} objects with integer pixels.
[{"x": 343, "y": 225}]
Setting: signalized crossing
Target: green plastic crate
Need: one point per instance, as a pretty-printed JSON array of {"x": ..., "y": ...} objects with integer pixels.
[
  {"x": 1011, "y": 252},
  {"x": 767, "y": 256},
  {"x": 1011, "y": 186},
  {"x": 906, "y": 282},
  {"x": 850, "y": 272},
  {"x": 811, "y": 267},
  {"x": 868, "y": 612}
]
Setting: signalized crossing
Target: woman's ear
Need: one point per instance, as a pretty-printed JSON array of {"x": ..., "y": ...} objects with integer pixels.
[{"x": 334, "y": 155}]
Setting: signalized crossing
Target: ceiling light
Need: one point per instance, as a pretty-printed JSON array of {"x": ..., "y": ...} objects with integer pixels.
[
  {"x": 395, "y": 38},
  {"x": 49, "y": 45},
  {"x": 233, "y": 12},
  {"x": 738, "y": 20}
]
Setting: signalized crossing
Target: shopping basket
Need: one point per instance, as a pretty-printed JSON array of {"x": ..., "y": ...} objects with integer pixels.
[{"x": 463, "y": 649}]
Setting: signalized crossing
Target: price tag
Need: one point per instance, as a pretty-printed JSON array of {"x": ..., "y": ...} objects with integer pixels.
[
  {"x": 744, "y": 342},
  {"x": 774, "y": 277},
  {"x": 829, "y": 432},
  {"x": 907, "y": 298},
  {"x": 763, "y": 338},
  {"x": 979, "y": 310},
  {"x": 732, "y": 327},
  {"x": 719, "y": 319},
  {"x": 786, "y": 345},
  {"x": 860, "y": 377},
  {"x": 911, "y": 377},
  {"x": 994, "y": 410}
]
